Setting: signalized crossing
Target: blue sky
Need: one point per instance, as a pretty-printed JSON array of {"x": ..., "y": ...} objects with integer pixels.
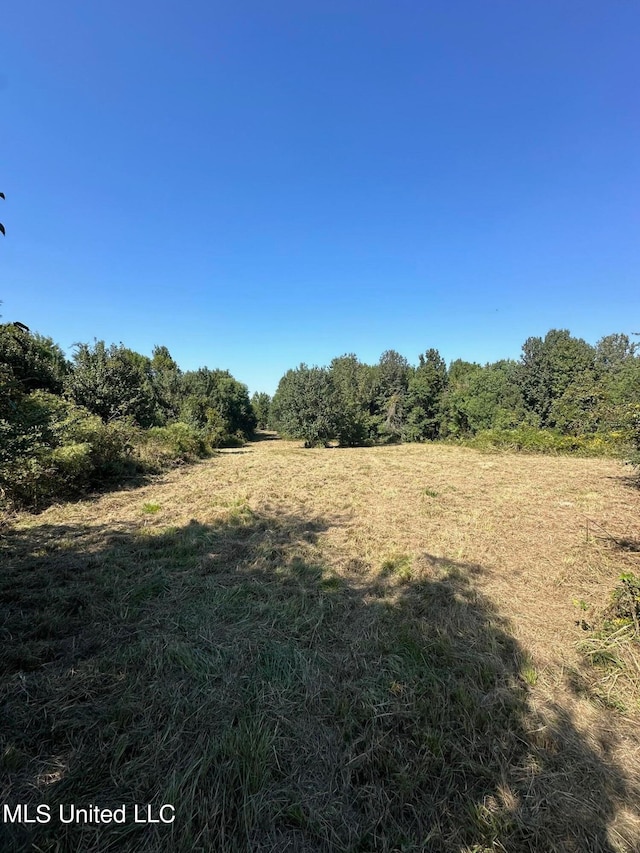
[{"x": 256, "y": 184}]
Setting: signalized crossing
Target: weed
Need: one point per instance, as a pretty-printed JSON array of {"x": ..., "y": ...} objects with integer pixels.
[
  {"x": 399, "y": 566},
  {"x": 529, "y": 672},
  {"x": 613, "y": 648}
]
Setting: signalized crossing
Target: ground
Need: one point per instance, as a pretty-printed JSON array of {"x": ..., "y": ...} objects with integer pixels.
[{"x": 376, "y": 649}]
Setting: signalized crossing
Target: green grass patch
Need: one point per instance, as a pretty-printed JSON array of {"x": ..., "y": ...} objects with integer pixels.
[{"x": 398, "y": 566}]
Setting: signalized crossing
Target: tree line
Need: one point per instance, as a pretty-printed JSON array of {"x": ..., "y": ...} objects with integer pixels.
[
  {"x": 561, "y": 387},
  {"x": 70, "y": 424},
  {"x": 67, "y": 425}
]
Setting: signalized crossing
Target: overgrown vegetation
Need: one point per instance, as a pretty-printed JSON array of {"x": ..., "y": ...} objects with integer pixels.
[
  {"x": 110, "y": 413},
  {"x": 562, "y": 396},
  {"x": 613, "y": 646}
]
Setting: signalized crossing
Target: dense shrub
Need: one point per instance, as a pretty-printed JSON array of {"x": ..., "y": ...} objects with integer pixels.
[
  {"x": 52, "y": 448},
  {"x": 532, "y": 440},
  {"x": 59, "y": 450},
  {"x": 30, "y": 361},
  {"x": 111, "y": 413},
  {"x": 629, "y": 422},
  {"x": 307, "y": 405},
  {"x": 213, "y": 401},
  {"x": 159, "y": 447}
]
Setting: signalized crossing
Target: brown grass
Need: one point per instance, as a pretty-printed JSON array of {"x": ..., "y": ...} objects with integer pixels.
[{"x": 366, "y": 649}]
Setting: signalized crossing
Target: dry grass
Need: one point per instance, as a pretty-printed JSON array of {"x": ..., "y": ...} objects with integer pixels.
[{"x": 313, "y": 650}]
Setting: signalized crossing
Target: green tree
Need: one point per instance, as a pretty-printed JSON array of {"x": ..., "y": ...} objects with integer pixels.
[
  {"x": 356, "y": 389},
  {"x": 613, "y": 352},
  {"x": 306, "y": 405},
  {"x": 457, "y": 371},
  {"x": 113, "y": 382},
  {"x": 618, "y": 382},
  {"x": 261, "y": 404},
  {"x": 166, "y": 382},
  {"x": 454, "y": 415},
  {"x": 393, "y": 373},
  {"x": 484, "y": 398},
  {"x": 214, "y": 397},
  {"x": 424, "y": 398},
  {"x": 548, "y": 367},
  {"x": 30, "y": 361}
]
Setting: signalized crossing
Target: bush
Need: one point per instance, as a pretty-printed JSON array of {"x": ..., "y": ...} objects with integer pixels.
[
  {"x": 626, "y": 602},
  {"x": 31, "y": 361},
  {"x": 629, "y": 420},
  {"x": 69, "y": 470},
  {"x": 111, "y": 444},
  {"x": 113, "y": 382},
  {"x": 306, "y": 405},
  {"x": 532, "y": 440},
  {"x": 160, "y": 447},
  {"x": 51, "y": 448},
  {"x": 54, "y": 449}
]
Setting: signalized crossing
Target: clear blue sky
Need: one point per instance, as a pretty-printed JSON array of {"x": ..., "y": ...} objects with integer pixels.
[{"x": 256, "y": 184}]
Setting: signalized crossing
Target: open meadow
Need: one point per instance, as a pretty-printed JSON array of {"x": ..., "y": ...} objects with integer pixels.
[{"x": 378, "y": 649}]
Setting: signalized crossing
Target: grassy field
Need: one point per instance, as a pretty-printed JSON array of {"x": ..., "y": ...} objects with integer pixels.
[{"x": 378, "y": 649}]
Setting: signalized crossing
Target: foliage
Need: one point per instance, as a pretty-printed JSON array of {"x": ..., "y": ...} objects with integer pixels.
[
  {"x": 393, "y": 373},
  {"x": 160, "y": 447},
  {"x": 118, "y": 416},
  {"x": 113, "y": 382},
  {"x": 215, "y": 402},
  {"x": 630, "y": 422},
  {"x": 30, "y": 361},
  {"x": 355, "y": 386},
  {"x": 563, "y": 395},
  {"x": 305, "y": 405},
  {"x": 165, "y": 378},
  {"x": 548, "y": 368},
  {"x": 424, "y": 398},
  {"x": 261, "y": 405},
  {"x": 480, "y": 398},
  {"x": 533, "y": 440},
  {"x": 54, "y": 449}
]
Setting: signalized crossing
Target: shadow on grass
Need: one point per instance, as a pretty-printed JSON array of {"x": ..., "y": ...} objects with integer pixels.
[
  {"x": 265, "y": 435},
  {"x": 629, "y": 480},
  {"x": 227, "y": 670}
]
